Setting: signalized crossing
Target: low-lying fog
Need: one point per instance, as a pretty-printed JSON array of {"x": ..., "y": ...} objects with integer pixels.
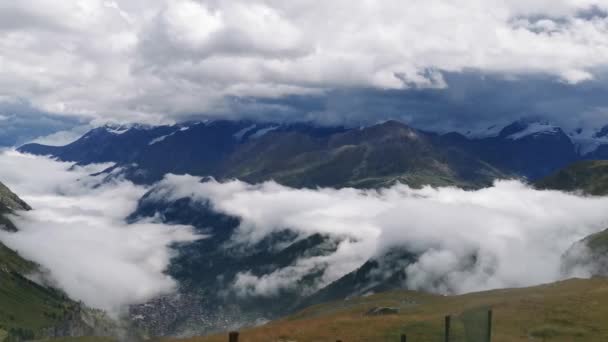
[{"x": 77, "y": 230}]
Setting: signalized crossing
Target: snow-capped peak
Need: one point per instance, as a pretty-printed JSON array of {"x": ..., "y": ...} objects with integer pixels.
[
  {"x": 117, "y": 129},
  {"x": 488, "y": 132},
  {"x": 534, "y": 128},
  {"x": 123, "y": 128},
  {"x": 588, "y": 140}
]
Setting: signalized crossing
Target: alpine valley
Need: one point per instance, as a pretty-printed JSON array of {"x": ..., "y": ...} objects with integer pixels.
[{"x": 298, "y": 156}]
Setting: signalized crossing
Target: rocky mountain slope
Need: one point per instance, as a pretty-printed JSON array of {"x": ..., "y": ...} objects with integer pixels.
[{"x": 9, "y": 202}]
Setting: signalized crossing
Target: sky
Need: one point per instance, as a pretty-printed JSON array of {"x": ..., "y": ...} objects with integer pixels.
[{"x": 433, "y": 63}]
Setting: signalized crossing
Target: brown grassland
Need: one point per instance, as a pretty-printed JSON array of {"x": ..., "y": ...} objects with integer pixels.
[{"x": 571, "y": 310}]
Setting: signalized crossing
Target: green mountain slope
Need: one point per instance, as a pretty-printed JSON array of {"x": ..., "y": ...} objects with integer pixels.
[
  {"x": 588, "y": 256},
  {"x": 374, "y": 156},
  {"x": 27, "y": 309},
  {"x": 590, "y": 177}
]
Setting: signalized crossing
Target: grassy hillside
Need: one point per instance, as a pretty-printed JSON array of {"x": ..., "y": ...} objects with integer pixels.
[
  {"x": 589, "y": 176},
  {"x": 27, "y": 309},
  {"x": 589, "y": 255},
  {"x": 83, "y": 339},
  {"x": 572, "y": 310}
]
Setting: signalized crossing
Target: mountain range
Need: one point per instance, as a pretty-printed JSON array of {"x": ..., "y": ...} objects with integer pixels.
[{"x": 304, "y": 155}]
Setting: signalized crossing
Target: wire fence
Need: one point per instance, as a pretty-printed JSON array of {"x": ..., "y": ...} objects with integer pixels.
[{"x": 473, "y": 325}]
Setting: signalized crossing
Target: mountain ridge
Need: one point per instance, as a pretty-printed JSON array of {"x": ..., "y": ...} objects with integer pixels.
[
  {"x": 296, "y": 155},
  {"x": 306, "y": 155},
  {"x": 590, "y": 177}
]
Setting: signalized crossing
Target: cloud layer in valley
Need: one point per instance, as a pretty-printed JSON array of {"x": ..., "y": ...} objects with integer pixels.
[
  {"x": 465, "y": 240},
  {"x": 78, "y": 235},
  {"x": 159, "y": 60},
  {"x": 500, "y": 228}
]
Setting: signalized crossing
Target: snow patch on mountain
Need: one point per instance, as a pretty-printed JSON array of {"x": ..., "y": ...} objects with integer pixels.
[
  {"x": 118, "y": 131},
  {"x": 535, "y": 128},
  {"x": 240, "y": 134},
  {"x": 586, "y": 140},
  {"x": 162, "y": 138},
  {"x": 263, "y": 131},
  {"x": 589, "y": 140},
  {"x": 124, "y": 128}
]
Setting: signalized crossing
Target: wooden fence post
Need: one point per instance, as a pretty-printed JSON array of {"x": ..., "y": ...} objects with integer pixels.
[
  {"x": 489, "y": 332},
  {"x": 447, "y": 328},
  {"x": 233, "y": 336}
]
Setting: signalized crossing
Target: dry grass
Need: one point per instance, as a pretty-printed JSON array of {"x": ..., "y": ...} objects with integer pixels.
[{"x": 572, "y": 310}]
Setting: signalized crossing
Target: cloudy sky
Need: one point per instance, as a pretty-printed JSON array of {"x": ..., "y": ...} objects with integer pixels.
[{"x": 433, "y": 63}]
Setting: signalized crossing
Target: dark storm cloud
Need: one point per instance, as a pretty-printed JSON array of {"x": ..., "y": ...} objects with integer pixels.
[
  {"x": 471, "y": 100},
  {"x": 20, "y": 123}
]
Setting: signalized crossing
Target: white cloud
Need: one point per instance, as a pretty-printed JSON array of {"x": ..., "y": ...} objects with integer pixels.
[
  {"x": 63, "y": 138},
  {"x": 157, "y": 60},
  {"x": 517, "y": 234},
  {"x": 78, "y": 233},
  {"x": 191, "y": 23},
  {"x": 467, "y": 240}
]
